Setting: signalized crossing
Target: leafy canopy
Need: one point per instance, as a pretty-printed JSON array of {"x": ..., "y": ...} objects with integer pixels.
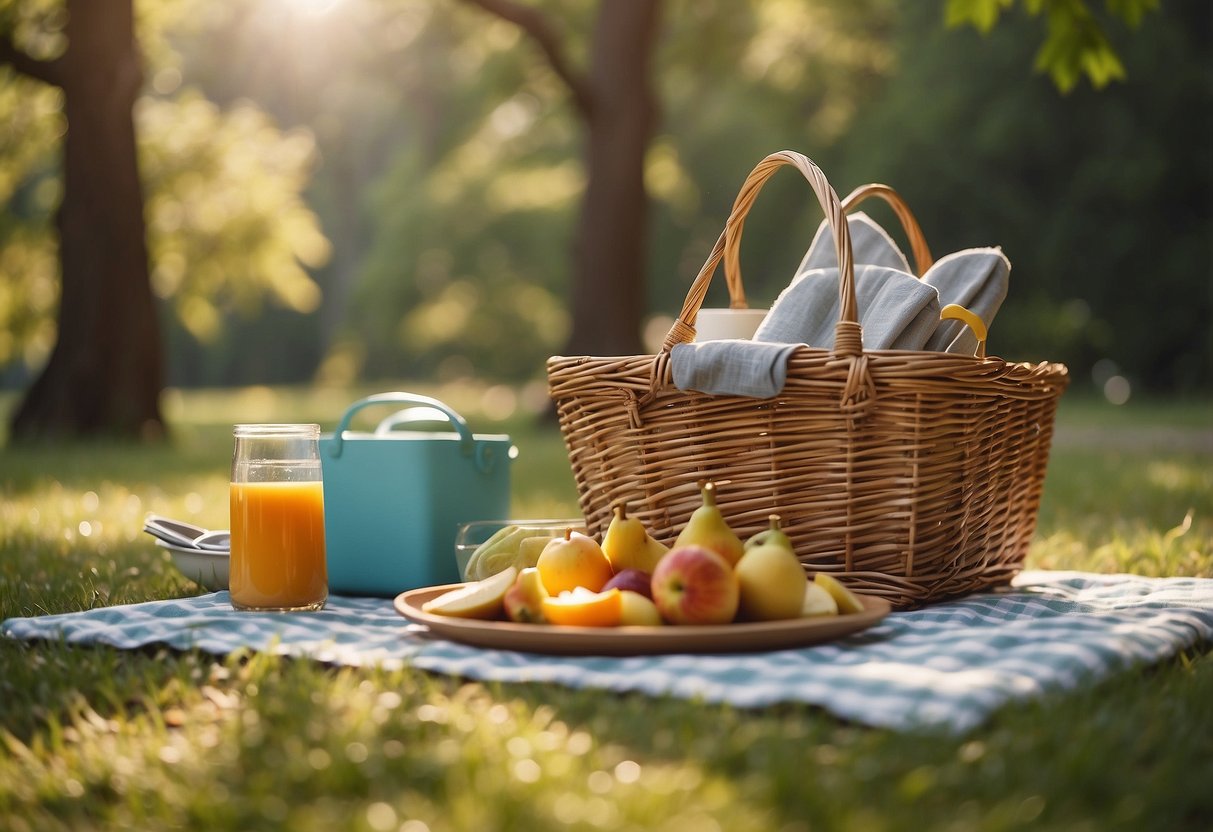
[
  {"x": 227, "y": 224},
  {"x": 1076, "y": 43}
]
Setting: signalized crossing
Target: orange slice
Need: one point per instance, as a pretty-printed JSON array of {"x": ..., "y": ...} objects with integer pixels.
[{"x": 582, "y": 608}]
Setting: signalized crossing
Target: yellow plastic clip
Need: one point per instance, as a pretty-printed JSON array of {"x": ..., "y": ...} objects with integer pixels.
[{"x": 956, "y": 312}]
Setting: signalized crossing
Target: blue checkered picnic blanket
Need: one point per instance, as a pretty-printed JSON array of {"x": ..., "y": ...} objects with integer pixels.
[{"x": 948, "y": 666}]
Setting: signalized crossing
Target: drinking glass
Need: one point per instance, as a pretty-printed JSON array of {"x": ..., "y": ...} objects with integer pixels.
[{"x": 277, "y": 519}]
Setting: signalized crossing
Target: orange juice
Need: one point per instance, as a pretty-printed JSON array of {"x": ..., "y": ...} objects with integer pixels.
[{"x": 278, "y": 545}]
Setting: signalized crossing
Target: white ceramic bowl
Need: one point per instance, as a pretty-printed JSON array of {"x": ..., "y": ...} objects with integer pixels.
[{"x": 210, "y": 569}]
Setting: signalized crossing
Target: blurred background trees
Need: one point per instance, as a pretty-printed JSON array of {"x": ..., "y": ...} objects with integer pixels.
[{"x": 374, "y": 189}]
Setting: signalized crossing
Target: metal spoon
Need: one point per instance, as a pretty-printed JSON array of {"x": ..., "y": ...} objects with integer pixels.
[
  {"x": 217, "y": 540},
  {"x": 186, "y": 535}
]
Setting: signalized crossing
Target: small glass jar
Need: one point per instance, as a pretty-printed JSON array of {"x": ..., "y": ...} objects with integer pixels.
[{"x": 277, "y": 519}]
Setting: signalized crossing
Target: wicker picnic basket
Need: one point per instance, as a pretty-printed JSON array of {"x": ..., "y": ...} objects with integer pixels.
[{"x": 911, "y": 475}]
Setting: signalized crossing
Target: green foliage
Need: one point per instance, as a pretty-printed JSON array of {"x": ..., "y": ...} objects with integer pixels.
[
  {"x": 482, "y": 219},
  {"x": 30, "y": 121},
  {"x": 226, "y": 223},
  {"x": 1099, "y": 200},
  {"x": 1075, "y": 45},
  {"x": 739, "y": 82},
  {"x": 444, "y": 165},
  {"x": 97, "y": 738}
]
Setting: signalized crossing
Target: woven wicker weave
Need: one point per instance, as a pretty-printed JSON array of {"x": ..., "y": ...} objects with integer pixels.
[{"x": 910, "y": 475}]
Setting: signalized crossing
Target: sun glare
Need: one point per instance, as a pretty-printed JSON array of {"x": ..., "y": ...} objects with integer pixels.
[{"x": 312, "y": 7}]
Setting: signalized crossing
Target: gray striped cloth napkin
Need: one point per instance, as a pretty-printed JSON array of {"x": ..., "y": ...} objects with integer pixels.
[
  {"x": 946, "y": 667},
  {"x": 897, "y": 310}
]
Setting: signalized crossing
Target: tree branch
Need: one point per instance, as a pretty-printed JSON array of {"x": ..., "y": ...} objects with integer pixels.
[
  {"x": 536, "y": 25},
  {"x": 49, "y": 72}
]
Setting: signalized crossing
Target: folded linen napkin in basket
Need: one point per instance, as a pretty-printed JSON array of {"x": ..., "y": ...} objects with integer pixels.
[
  {"x": 896, "y": 310},
  {"x": 975, "y": 278},
  {"x": 871, "y": 245},
  {"x": 731, "y": 367}
]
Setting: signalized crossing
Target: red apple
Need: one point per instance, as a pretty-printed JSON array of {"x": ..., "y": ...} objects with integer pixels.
[
  {"x": 632, "y": 580},
  {"x": 694, "y": 585}
]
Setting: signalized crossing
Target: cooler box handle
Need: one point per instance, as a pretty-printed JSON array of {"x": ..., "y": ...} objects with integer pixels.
[{"x": 424, "y": 409}]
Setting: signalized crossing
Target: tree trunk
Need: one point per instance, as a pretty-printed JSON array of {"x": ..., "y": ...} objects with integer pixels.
[
  {"x": 106, "y": 372},
  {"x": 609, "y": 269}
]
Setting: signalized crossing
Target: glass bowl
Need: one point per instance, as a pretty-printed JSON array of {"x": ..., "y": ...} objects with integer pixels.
[{"x": 471, "y": 536}]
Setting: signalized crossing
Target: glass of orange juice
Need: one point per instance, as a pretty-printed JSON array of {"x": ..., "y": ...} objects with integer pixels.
[{"x": 277, "y": 519}]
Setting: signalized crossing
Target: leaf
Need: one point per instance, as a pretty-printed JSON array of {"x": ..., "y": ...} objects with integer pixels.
[
  {"x": 981, "y": 14},
  {"x": 1130, "y": 11},
  {"x": 1076, "y": 44}
]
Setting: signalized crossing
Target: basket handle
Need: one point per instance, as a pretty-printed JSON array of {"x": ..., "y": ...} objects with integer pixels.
[
  {"x": 848, "y": 336},
  {"x": 918, "y": 241},
  {"x": 923, "y": 259}
]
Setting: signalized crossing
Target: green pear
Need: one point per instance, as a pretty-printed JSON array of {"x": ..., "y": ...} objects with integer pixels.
[
  {"x": 708, "y": 528},
  {"x": 772, "y": 583},
  {"x": 772, "y": 536},
  {"x": 628, "y": 545}
]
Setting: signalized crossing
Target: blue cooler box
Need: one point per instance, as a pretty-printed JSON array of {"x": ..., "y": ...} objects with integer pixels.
[{"x": 394, "y": 497}]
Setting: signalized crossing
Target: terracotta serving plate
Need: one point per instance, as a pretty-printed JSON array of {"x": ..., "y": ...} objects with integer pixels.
[{"x": 636, "y": 641}]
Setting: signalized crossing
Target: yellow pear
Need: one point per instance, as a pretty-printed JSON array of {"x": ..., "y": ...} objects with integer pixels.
[
  {"x": 708, "y": 528},
  {"x": 572, "y": 561},
  {"x": 482, "y": 599},
  {"x": 772, "y": 583},
  {"x": 628, "y": 545}
]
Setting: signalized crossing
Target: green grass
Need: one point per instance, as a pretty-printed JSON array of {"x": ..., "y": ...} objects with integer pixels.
[{"x": 93, "y": 738}]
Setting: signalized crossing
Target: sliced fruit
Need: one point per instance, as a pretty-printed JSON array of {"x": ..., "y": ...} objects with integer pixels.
[
  {"x": 846, "y": 600},
  {"x": 523, "y": 601},
  {"x": 638, "y": 610},
  {"x": 817, "y": 601},
  {"x": 529, "y": 550},
  {"x": 482, "y": 599},
  {"x": 583, "y": 608},
  {"x": 494, "y": 554}
]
